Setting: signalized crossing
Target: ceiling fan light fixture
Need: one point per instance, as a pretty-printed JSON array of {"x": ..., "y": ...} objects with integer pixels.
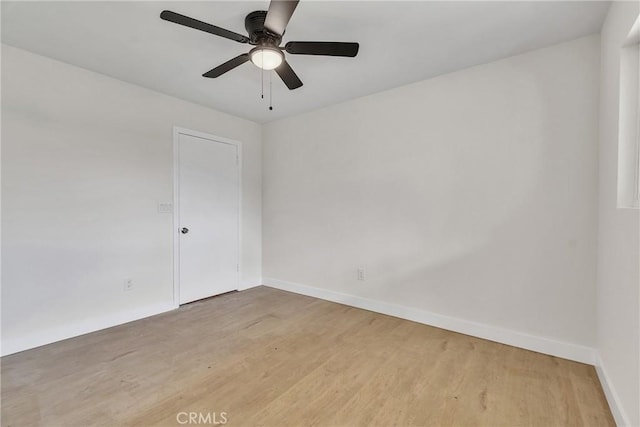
[{"x": 266, "y": 58}]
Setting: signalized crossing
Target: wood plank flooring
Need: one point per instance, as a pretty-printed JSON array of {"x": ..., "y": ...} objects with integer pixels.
[{"x": 265, "y": 357}]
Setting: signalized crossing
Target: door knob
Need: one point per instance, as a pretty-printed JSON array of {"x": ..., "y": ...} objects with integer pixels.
[{"x": 184, "y": 230}]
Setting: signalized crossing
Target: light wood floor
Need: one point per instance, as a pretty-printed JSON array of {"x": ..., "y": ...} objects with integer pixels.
[{"x": 272, "y": 358}]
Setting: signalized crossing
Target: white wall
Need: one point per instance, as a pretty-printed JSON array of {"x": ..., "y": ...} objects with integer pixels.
[
  {"x": 471, "y": 195},
  {"x": 85, "y": 160},
  {"x": 618, "y": 282}
]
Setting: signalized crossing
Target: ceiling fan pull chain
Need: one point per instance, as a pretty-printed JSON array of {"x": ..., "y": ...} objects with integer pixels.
[
  {"x": 270, "y": 92},
  {"x": 262, "y": 82}
]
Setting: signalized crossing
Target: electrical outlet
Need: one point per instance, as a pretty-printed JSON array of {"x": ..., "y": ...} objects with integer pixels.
[
  {"x": 165, "y": 207},
  {"x": 361, "y": 274},
  {"x": 128, "y": 285}
]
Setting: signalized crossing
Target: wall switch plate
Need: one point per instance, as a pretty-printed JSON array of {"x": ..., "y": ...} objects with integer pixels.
[
  {"x": 164, "y": 207},
  {"x": 128, "y": 285},
  {"x": 361, "y": 274}
]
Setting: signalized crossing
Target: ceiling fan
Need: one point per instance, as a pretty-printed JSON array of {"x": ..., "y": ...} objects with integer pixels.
[{"x": 265, "y": 29}]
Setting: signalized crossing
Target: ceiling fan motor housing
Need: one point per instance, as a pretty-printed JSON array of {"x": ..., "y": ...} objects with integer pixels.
[{"x": 258, "y": 35}]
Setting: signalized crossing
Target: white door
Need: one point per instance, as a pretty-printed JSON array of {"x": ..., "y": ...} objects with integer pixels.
[{"x": 208, "y": 213}]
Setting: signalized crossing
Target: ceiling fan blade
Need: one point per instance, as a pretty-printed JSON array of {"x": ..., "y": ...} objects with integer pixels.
[
  {"x": 227, "y": 66},
  {"x": 323, "y": 48},
  {"x": 279, "y": 14},
  {"x": 288, "y": 76},
  {"x": 167, "y": 15}
]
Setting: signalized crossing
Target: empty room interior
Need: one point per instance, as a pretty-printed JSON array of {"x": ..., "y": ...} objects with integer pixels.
[{"x": 320, "y": 213}]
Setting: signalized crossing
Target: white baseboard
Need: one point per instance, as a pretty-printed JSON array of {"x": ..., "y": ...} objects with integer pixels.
[
  {"x": 549, "y": 346},
  {"x": 40, "y": 338},
  {"x": 617, "y": 410},
  {"x": 37, "y": 339},
  {"x": 249, "y": 285}
]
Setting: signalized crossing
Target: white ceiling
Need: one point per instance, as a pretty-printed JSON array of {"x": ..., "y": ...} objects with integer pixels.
[{"x": 400, "y": 43}]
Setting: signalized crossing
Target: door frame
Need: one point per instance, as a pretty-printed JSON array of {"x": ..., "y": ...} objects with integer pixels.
[{"x": 177, "y": 131}]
